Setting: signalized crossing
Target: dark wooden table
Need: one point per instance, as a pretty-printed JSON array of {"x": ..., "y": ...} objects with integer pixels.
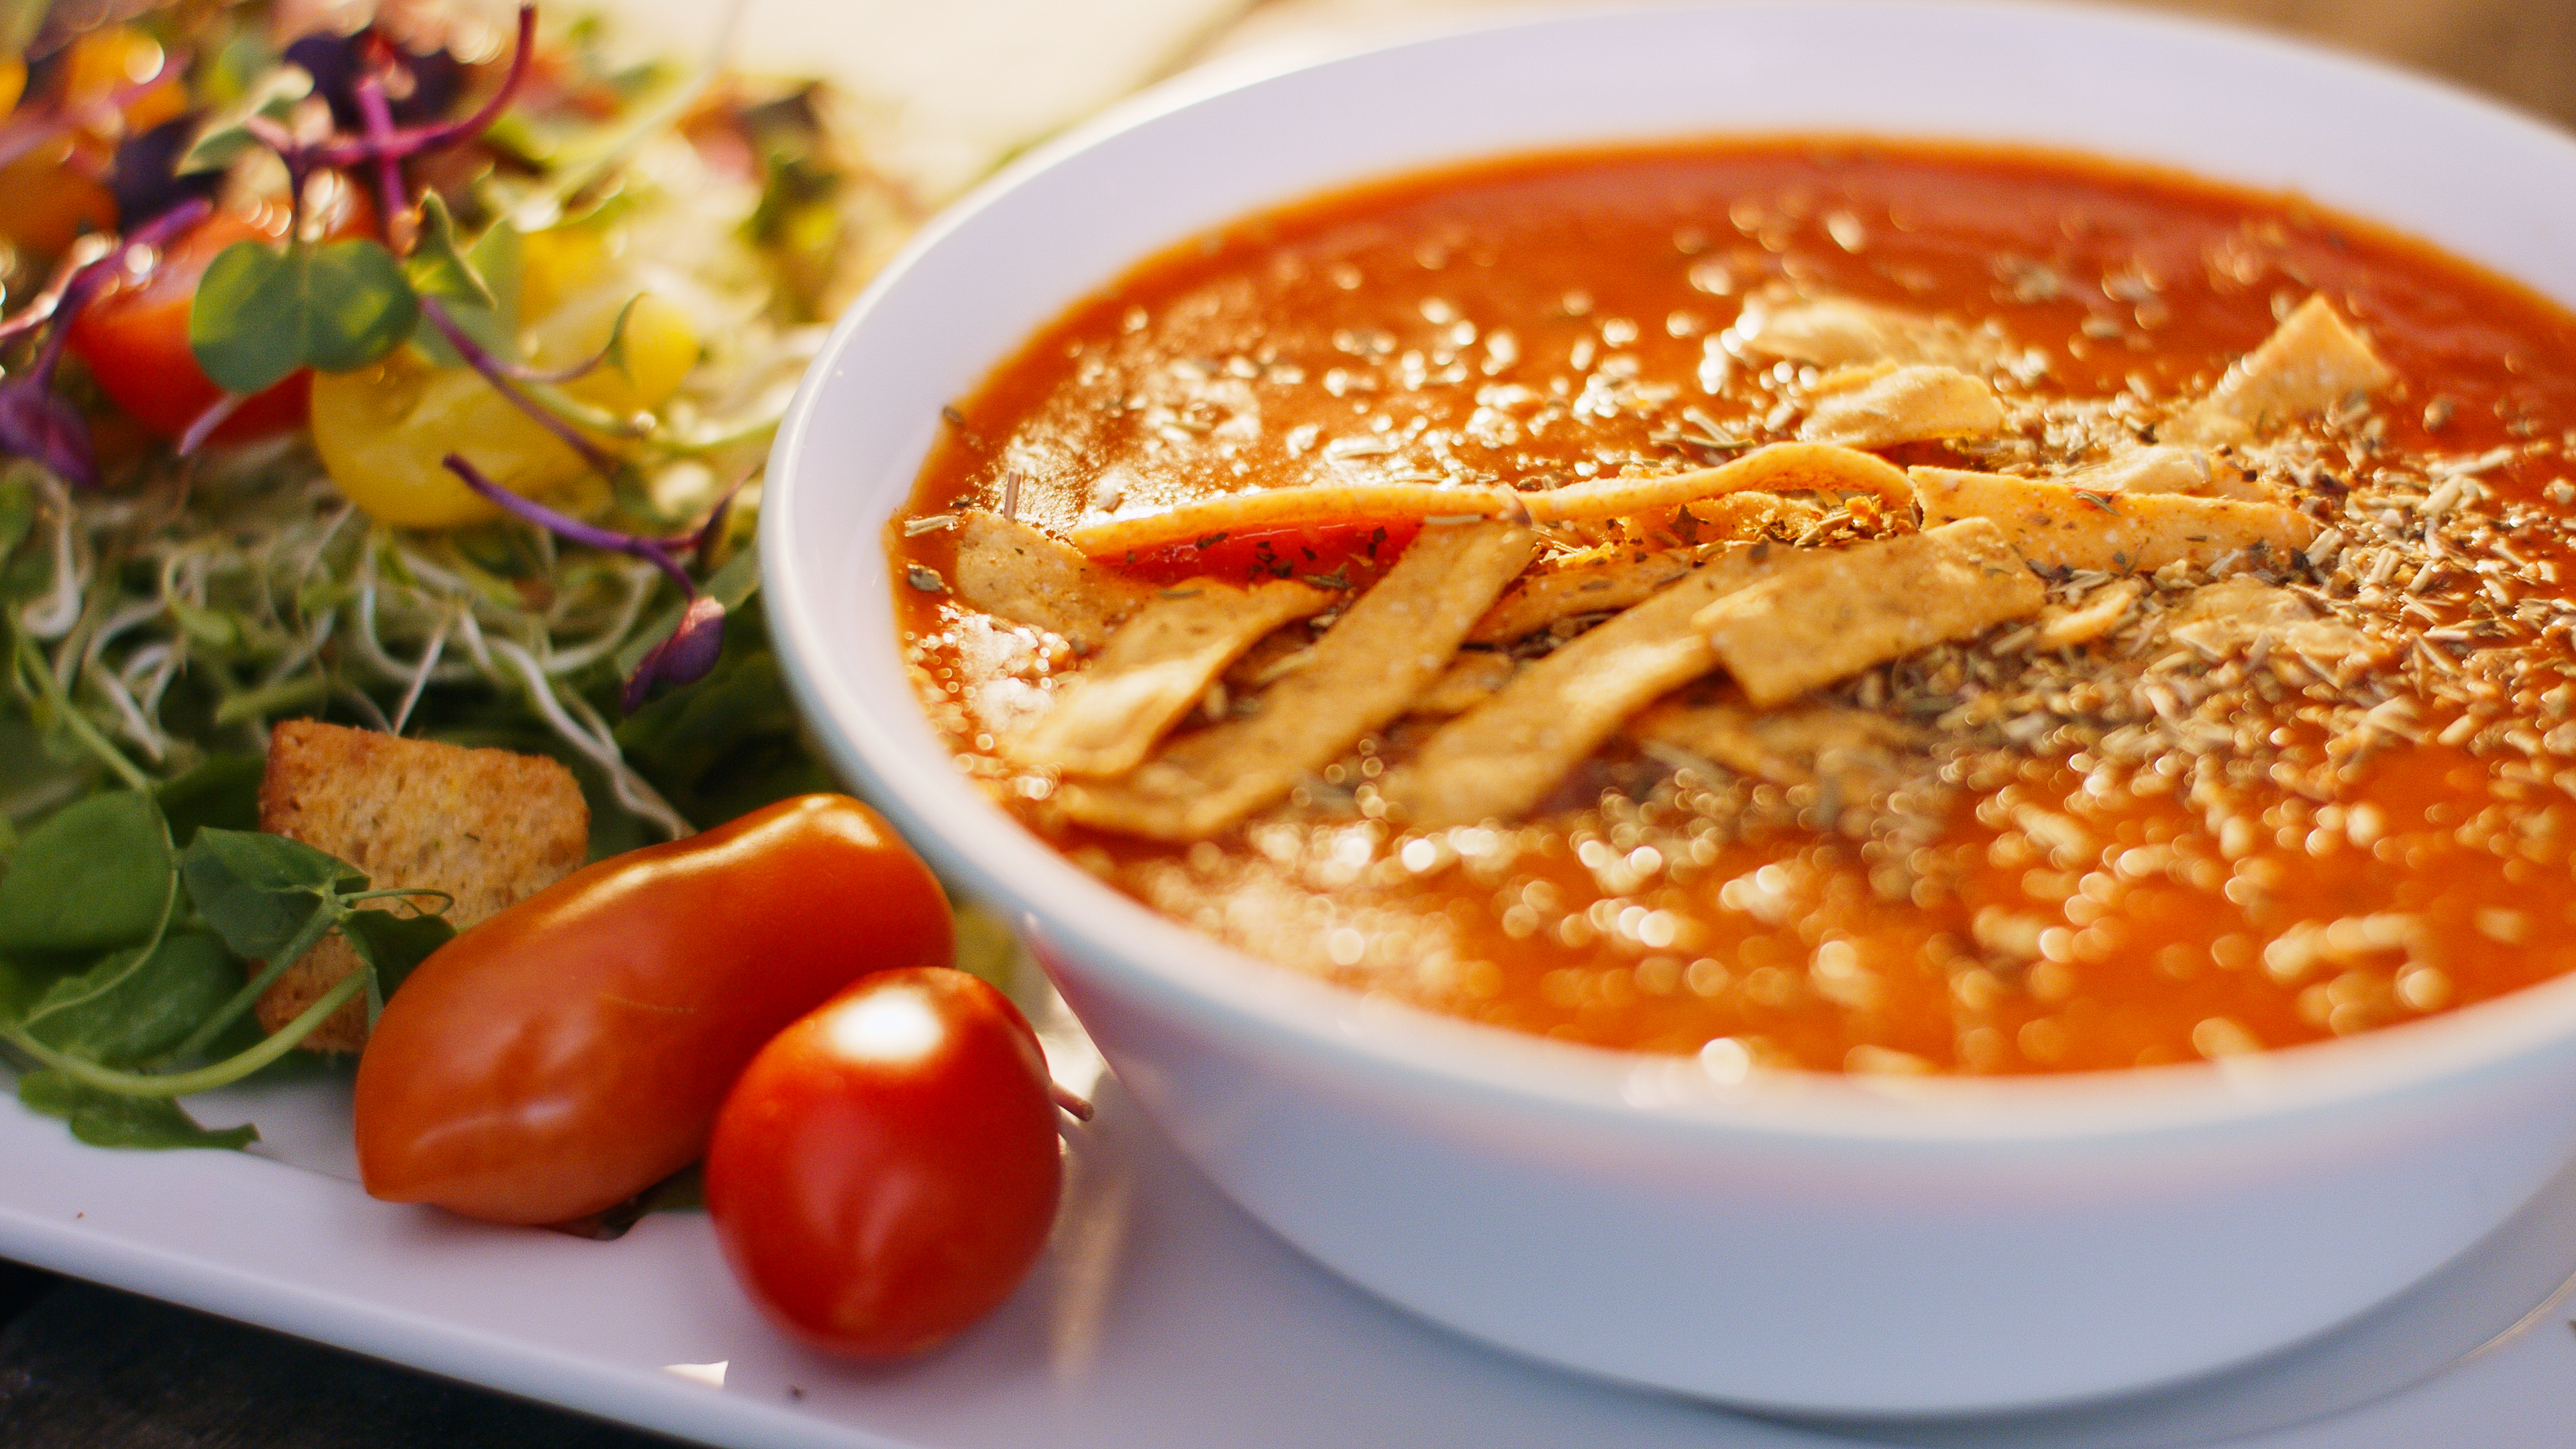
[{"x": 82, "y": 1367}]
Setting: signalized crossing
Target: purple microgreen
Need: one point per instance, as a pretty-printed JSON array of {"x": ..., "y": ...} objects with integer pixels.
[
  {"x": 691, "y": 650},
  {"x": 652, "y": 550},
  {"x": 392, "y": 198},
  {"x": 41, "y": 307},
  {"x": 145, "y": 177},
  {"x": 684, "y": 658},
  {"x": 417, "y": 139},
  {"x": 497, "y": 374},
  {"x": 421, "y": 87},
  {"x": 204, "y": 424},
  {"x": 42, "y": 426}
]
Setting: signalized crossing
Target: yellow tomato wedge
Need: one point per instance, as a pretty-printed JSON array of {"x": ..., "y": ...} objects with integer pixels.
[{"x": 382, "y": 430}]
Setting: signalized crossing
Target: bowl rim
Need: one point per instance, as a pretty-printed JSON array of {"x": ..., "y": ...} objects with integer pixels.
[{"x": 1081, "y": 925}]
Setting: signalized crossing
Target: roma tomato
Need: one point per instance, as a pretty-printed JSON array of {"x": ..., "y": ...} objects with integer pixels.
[
  {"x": 886, "y": 1170},
  {"x": 572, "y": 1050},
  {"x": 134, "y": 335}
]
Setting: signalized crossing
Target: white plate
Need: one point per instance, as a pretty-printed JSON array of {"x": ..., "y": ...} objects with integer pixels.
[{"x": 1161, "y": 1318}]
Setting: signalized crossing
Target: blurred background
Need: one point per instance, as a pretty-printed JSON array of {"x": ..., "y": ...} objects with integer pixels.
[{"x": 965, "y": 82}]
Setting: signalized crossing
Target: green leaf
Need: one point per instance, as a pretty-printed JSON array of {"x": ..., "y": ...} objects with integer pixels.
[
  {"x": 478, "y": 287},
  {"x": 93, "y": 877},
  {"x": 261, "y": 313},
  {"x": 733, "y": 585},
  {"x": 259, "y": 891},
  {"x": 105, "y": 1119},
  {"x": 436, "y": 268},
  {"x": 225, "y": 136},
  {"x": 222, "y": 792},
  {"x": 129, "y": 1008},
  {"x": 394, "y": 943}
]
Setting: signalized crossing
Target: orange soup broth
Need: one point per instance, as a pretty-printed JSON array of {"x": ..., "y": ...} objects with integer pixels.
[{"x": 2126, "y": 904}]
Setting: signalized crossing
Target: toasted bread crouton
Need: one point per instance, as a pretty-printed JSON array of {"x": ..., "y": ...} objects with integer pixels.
[{"x": 485, "y": 826}]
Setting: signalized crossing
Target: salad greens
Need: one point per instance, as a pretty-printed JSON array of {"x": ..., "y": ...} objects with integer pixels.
[{"x": 604, "y": 272}]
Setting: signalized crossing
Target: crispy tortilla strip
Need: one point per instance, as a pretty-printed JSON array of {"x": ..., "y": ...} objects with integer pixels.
[
  {"x": 2055, "y": 526},
  {"x": 1386, "y": 651},
  {"x": 1155, "y": 668},
  {"x": 2100, "y": 613},
  {"x": 1839, "y": 332},
  {"x": 2145, "y": 470},
  {"x": 1828, "y": 614},
  {"x": 1779, "y": 468},
  {"x": 1499, "y": 759},
  {"x": 1282, "y": 507},
  {"x": 1587, "y": 586},
  {"x": 1009, "y": 569},
  {"x": 1905, "y": 405},
  {"x": 1470, "y": 680},
  {"x": 2238, "y": 614},
  {"x": 1857, "y": 751},
  {"x": 2311, "y": 362}
]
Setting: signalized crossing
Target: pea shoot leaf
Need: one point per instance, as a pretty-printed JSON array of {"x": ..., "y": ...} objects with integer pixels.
[
  {"x": 393, "y": 943},
  {"x": 130, "y": 1007},
  {"x": 258, "y": 891},
  {"x": 261, "y": 313},
  {"x": 225, "y": 135},
  {"x": 222, "y": 792},
  {"x": 478, "y": 286},
  {"x": 106, "y": 1119},
  {"x": 94, "y": 876}
]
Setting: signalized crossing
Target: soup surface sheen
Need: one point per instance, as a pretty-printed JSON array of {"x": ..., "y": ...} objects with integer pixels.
[{"x": 2247, "y": 798}]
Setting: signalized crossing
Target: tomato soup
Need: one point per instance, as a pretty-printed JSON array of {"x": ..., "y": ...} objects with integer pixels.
[{"x": 1812, "y": 603}]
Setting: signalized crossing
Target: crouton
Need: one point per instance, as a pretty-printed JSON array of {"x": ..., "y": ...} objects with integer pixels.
[{"x": 486, "y": 826}]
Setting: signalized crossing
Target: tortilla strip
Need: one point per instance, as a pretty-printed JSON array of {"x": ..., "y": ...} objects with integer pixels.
[
  {"x": 1839, "y": 332},
  {"x": 2101, "y": 612},
  {"x": 1160, "y": 664},
  {"x": 1854, "y": 749},
  {"x": 2311, "y": 362},
  {"x": 1386, "y": 651},
  {"x": 1779, "y": 468},
  {"x": 2145, "y": 470},
  {"x": 1542, "y": 596},
  {"x": 1470, "y": 680},
  {"x": 2058, "y": 527},
  {"x": 1009, "y": 569},
  {"x": 1905, "y": 405},
  {"x": 1828, "y": 614},
  {"x": 1500, "y": 758},
  {"x": 1284, "y": 507},
  {"x": 2221, "y": 618}
]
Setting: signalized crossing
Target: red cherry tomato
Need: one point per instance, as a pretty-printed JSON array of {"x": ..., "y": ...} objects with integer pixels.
[
  {"x": 1357, "y": 552},
  {"x": 886, "y": 1170},
  {"x": 572, "y": 1050},
  {"x": 134, "y": 335}
]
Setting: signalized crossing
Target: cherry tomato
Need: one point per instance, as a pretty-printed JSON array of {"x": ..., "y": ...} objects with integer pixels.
[
  {"x": 886, "y": 1170},
  {"x": 134, "y": 335},
  {"x": 572, "y": 1050},
  {"x": 53, "y": 194}
]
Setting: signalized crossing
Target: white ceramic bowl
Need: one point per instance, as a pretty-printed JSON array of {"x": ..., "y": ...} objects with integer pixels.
[{"x": 1793, "y": 1242}]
